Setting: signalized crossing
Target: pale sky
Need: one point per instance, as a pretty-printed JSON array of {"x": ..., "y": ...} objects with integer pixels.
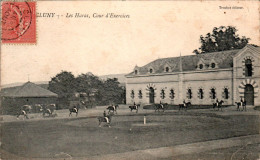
[{"x": 112, "y": 46}]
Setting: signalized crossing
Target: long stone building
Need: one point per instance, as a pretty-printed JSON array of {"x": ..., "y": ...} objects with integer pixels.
[{"x": 199, "y": 79}]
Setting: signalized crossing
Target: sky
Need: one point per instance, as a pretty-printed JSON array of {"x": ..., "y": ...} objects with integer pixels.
[{"x": 116, "y": 45}]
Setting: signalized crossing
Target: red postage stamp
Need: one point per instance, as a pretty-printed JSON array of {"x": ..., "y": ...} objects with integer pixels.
[{"x": 18, "y": 22}]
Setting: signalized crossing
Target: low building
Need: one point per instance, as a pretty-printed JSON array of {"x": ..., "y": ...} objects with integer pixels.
[
  {"x": 28, "y": 94},
  {"x": 199, "y": 79}
]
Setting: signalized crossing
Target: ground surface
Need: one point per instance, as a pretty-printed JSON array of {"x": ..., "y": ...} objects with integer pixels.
[{"x": 81, "y": 137}]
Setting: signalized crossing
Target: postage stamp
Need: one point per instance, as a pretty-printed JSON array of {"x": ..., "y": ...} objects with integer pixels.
[{"x": 18, "y": 22}]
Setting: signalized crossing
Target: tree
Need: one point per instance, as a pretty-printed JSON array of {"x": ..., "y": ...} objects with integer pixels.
[
  {"x": 89, "y": 88},
  {"x": 63, "y": 84},
  {"x": 112, "y": 92},
  {"x": 89, "y": 85},
  {"x": 221, "y": 39}
]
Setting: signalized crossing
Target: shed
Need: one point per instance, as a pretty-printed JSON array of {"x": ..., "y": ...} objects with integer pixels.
[{"x": 27, "y": 94}]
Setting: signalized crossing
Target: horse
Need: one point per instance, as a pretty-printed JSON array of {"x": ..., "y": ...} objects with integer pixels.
[
  {"x": 242, "y": 104},
  {"x": 49, "y": 109},
  {"x": 75, "y": 109},
  {"x": 112, "y": 108},
  {"x": 134, "y": 107},
  {"x": 106, "y": 119},
  {"x": 160, "y": 106},
  {"x": 23, "y": 111},
  {"x": 184, "y": 106},
  {"x": 218, "y": 105}
]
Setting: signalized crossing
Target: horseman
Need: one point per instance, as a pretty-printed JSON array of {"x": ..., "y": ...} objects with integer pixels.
[
  {"x": 217, "y": 102},
  {"x": 241, "y": 102},
  {"x": 184, "y": 103},
  {"x": 161, "y": 104},
  {"x": 114, "y": 107},
  {"x": 135, "y": 105},
  {"x": 105, "y": 116}
]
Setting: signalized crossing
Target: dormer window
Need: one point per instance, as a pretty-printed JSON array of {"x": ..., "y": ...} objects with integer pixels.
[
  {"x": 201, "y": 66},
  {"x": 213, "y": 65},
  {"x": 136, "y": 70},
  {"x": 151, "y": 70},
  {"x": 167, "y": 68}
]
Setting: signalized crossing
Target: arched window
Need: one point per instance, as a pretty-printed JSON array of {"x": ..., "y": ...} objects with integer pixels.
[
  {"x": 136, "y": 71},
  {"x": 162, "y": 94},
  {"x": 172, "y": 94},
  {"x": 226, "y": 93},
  {"x": 151, "y": 70},
  {"x": 213, "y": 65},
  {"x": 248, "y": 68},
  {"x": 189, "y": 94},
  {"x": 167, "y": 69},
  {"x": 201, "y": 93},
  {"x": 140, "y": 94},
  {"x": 132, "y": 94},
  {"x": 212, "y": 93},
  {"x": 201, "y": 66}
]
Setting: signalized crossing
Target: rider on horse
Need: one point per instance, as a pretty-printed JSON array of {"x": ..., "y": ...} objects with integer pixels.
[
  {"x": 217, "y": 102},
  {"x": 105, "y": 116},
  {"x": 241, "y": 102},
  {"x": 161, "y": 104},
  {"x": 135, "y": 105}
]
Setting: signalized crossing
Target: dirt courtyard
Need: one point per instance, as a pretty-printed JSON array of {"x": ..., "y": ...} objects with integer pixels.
[{"x": 81, "y": 137}]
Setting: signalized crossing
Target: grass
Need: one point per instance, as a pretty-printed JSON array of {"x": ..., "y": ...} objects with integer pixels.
[{"x": 83, "y": 138}]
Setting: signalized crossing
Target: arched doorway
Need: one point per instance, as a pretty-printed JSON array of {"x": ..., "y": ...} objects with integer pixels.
[
  {"x": 151, "y": 95},
  {"x": 249, "y": 94}
]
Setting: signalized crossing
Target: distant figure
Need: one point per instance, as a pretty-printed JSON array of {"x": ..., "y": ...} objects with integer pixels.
[
  {"x": 105, "y": 116},
  {"x": 161, "y": 104},
  {"x": 217, "y": 102},
  {"x": 241, "y": 101},
  {"x": 184, "y": 103}
]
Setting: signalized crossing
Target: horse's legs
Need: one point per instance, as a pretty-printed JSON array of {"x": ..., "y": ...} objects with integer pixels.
[
  {"x": 70, "y": 114},
  {"x": 136, "y": 110}
]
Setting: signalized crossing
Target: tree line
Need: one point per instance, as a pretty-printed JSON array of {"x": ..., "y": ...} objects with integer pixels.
[
  {"x": 86, "y": 87},
  {"x": 221, "y": 39}
]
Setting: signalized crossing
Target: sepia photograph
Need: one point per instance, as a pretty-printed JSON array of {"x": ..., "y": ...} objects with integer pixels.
[{"x": 130, "y": 80}]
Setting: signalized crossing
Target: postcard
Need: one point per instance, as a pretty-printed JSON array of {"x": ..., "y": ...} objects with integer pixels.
[{"x": 130, "y": 80}]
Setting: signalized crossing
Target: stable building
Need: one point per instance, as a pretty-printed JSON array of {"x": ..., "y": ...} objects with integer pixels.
[
  {"x": 199, "y": 79},
  {"x": 27, "y": 94}
]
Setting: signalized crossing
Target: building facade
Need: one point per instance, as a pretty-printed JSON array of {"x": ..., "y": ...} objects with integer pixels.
[{"x": 199, "y": 79}]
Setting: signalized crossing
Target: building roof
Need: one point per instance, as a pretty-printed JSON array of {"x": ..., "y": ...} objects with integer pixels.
[
  {"x": 29, "y": 89},
  {"x": 223, "y": 59}
]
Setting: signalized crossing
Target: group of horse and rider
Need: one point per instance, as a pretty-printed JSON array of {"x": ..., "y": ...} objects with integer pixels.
[
  {"x": 112, "y": 109},
  {"x": 47, "y": 110},
  {"x": 107, "y": 116}
]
